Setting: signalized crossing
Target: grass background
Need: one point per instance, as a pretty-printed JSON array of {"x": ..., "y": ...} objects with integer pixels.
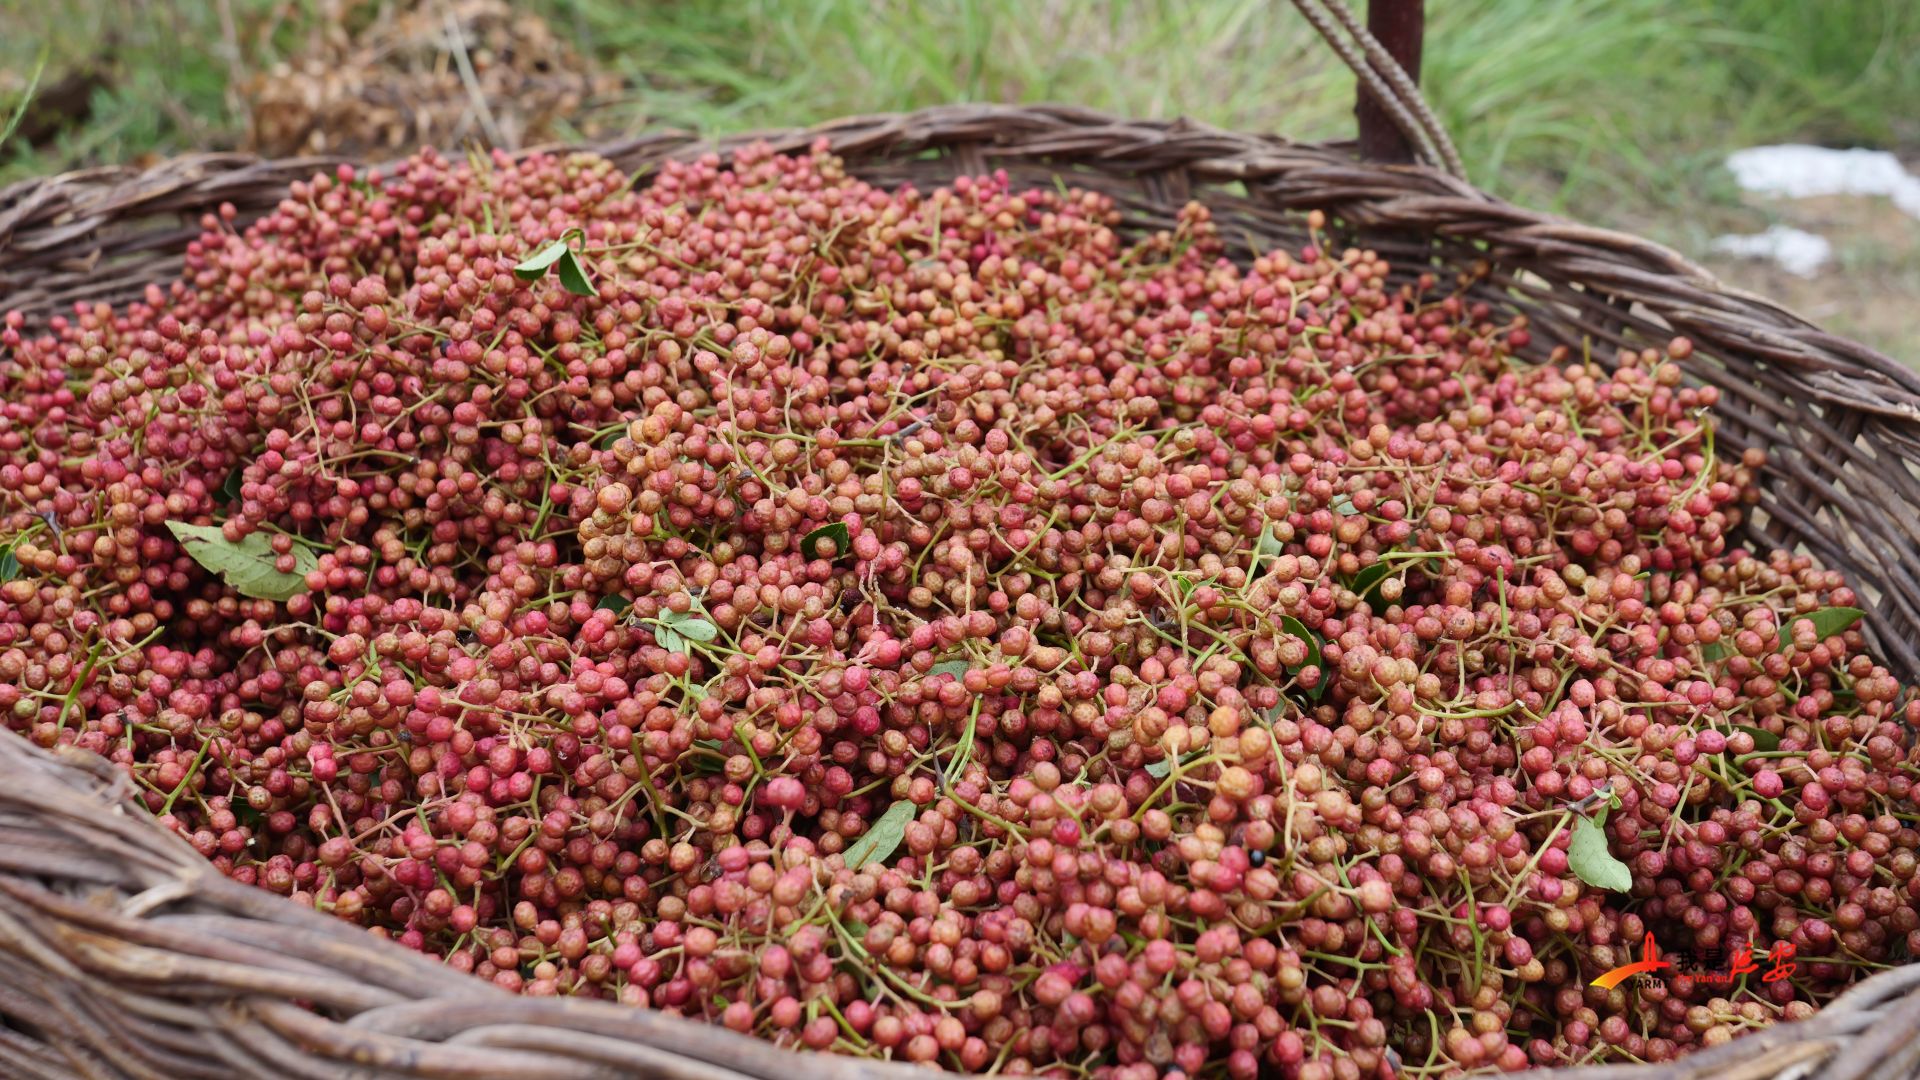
[{"x": 1615, "y": 111}]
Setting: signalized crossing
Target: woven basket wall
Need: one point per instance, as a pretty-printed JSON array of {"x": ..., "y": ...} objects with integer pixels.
[{"x": 123, "y": 954}]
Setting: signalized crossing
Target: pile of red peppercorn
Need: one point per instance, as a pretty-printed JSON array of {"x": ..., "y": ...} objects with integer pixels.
[{"x": 933, "y": 625}]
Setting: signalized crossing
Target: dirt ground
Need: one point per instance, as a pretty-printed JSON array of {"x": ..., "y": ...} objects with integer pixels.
[{"x": 1870, "y": 291}]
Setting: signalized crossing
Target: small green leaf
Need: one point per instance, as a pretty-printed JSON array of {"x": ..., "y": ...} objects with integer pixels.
[
  {"x": 704, "y": 764},
  {"x": 1343, "y": 504},
  {"x": 1296, "y": 628},
  {"x": 956, "y": 668},
  {"x": 9, "y": 566},
  {"x": 1827, "y": 621},
  {"x": 535, "y": 266},
  {"x": 616, "y": 603},
  {"x": 1764, "y": 741},
  {"x": 963, "y": 750},
  {"x": 248, "y": 566},
  {"x": 1159, "y": 769},
  {"x": 666, "y": 638},
  {"x": 1266, "y": 548},
  {"x": 1592, "y": 862},
  {"x": 1366, "y": 585},
  {"x": 837, "y": 532},
  {"x": 573, "y": 276},
  {"x": 230, "y": 490},
  {"x": 1369, "y": 578},
  {"x": 1186, "y": 585},
  {"x": 883, "y": 836},
  {"x": 1713, "y": 651},
  {"x": 691, "y": 623}
]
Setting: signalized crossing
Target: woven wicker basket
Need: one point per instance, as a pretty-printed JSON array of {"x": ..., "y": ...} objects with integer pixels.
[{"x": 122, "y": 954}]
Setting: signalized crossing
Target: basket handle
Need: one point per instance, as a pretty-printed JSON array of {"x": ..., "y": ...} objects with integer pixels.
[{"x": 1384, "y": 82}]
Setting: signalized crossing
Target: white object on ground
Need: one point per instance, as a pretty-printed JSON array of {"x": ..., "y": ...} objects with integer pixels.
[
  {"x": 1793, "y": 250},
  {"x": 1798, "y": 171}
]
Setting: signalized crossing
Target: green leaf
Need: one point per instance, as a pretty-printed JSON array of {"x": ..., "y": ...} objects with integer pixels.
[
  {"x": 666, "y": 638},
  {"x": 691, "y": 623},
  {"x": 1267, "y": 547},
  {"x": 1343, "y": 504},
  {"x": 1827, "y": 621},
  {"x": 883, "y": 836},
  {"x": 697, "y": 629},
  {"x": 535, "y": 266},
  {"x": 837, "y": 532},
  {"x": 616, "y": 603},
  {"x": 1713, "y": 651},
  {"x": 702, "y": 764},
  {"x": 1298, "y": 629},
  {"x": 1159, "y": 769},
  {"x": 1369, "y": 578},
  {"x": 248, "y": 566},
  {"x": 230, "y": 490},
  {"x": 1366, "y": 585},
  {"x": 956, "y": 668},
  {"x": 1764, "y": 741},
  {"x": 963, "y": 750},
  {"x": 1592, "y": 862},
  {"x": 10, "y": 566},
  {"x": 1187, "y": 585},
  {"x": 573, "y": 276}
]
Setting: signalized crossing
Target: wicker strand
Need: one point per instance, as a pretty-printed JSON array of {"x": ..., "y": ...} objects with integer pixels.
[
  {"x": 1370, "y": 80},
  {"x": 1405, "y": 88},
  {"x": 1385, "y": 81}
]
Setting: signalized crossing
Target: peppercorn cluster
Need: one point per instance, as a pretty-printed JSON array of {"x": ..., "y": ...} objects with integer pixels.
[{"x": 948, "y": 626}]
